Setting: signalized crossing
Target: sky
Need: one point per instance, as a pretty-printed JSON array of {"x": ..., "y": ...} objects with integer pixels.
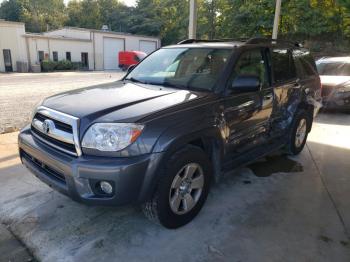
[{"x": 127, "y": 2}]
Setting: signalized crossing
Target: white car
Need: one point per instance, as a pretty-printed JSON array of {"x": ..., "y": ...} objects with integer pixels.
[{"x": 335, "y": 79}]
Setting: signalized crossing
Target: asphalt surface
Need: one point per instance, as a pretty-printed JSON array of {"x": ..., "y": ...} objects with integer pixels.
[
  {"x": 20, "y": 93},
  {"x": 278, "y": 209}
]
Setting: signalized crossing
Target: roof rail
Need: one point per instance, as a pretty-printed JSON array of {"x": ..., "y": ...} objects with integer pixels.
[
  {"x": 253, "y": 40},
  {"x": 260, "y": 40},
  {"x": 191, "y": 41}
]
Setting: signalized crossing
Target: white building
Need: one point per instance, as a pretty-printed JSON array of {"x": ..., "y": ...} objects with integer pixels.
[{"x": 95, "y": 49}]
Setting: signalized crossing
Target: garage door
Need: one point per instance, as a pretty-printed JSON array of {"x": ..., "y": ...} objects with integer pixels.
[
  {"x": 111, "y": 49},
  {"x": 147, "y": 46}
]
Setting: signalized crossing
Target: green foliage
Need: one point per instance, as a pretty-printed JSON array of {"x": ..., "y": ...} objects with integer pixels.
[
  {"x": 327, "y": 20},
  {"x": 64, "y": 65},
  {"x": 48, "y": 65}
]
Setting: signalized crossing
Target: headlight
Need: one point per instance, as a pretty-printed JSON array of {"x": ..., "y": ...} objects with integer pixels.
[{"x": 111, "y": 136}]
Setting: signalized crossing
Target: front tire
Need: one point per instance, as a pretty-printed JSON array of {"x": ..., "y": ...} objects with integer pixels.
[
  {"x": 299, "y": 131},
  {"x": 182, "y": 189}
]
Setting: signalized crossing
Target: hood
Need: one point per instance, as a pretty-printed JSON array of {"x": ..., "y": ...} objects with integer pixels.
[
  {"x": 333, "y": 81},
  {"x": 118, "y": 101}
]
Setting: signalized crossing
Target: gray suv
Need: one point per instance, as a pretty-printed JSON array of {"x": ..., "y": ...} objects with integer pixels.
[{"x": 179, "y": 119}]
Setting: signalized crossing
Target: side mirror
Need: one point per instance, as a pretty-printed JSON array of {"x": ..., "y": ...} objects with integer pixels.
[
  {"x": 130, "y": 68},
  {"x": 246, "y": 83}
]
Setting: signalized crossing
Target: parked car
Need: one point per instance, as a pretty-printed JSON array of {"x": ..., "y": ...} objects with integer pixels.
[
  {"x": 335, "y": 80},
  {"x": 184, "y": 115},
  {"x": 129, "y": 58}
]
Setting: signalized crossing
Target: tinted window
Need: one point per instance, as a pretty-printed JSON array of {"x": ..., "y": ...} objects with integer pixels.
[
  {"x": 283, "y": 65},
  {"x": 251, "y": 63},
  {"x": 305, "y": 63},
  {"x": 334, "y": 68}
]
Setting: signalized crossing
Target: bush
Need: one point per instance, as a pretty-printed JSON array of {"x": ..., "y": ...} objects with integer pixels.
[
  {"x": 64, "y": 65},
  {"x": 77, "y": 65},
  {"x": 48, "y": 65}
]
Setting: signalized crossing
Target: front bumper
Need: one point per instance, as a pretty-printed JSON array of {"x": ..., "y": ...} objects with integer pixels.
[{"x": 132, "y": 178}]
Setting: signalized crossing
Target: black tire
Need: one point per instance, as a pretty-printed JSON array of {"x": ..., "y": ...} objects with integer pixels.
[
  {"x": 294, "y": 148},
  {"x": 158, "y": 208}
]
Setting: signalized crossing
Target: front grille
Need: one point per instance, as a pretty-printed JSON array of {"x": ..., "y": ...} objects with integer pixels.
[
  {"x": 58, "y": 130},
  {"x": 62, "y": 126},
  {"x": 65, "y": 146},
  {"x": 48, "y": 171}
]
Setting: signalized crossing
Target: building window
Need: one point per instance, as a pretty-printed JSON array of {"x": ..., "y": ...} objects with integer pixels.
[
  {"x": 85, "y": 60},
  {"x": 55, "y": 56},
  {"x": 41, "y": 56},
  {"x": 68, "y": 56}
]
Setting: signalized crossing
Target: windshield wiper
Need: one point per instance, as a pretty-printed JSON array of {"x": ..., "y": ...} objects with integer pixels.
[{"x": 132, "y": 79}]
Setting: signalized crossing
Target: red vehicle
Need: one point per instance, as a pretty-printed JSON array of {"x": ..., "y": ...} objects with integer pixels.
[{"x": 128, "y": 58}]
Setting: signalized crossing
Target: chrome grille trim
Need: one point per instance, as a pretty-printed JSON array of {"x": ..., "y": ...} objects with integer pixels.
[
  {"x": 59, "y": 134},
  {"x": 55, "y": 133}
]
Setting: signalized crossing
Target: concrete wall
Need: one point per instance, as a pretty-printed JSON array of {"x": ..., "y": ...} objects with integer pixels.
[
  {"x": 11, "y": 37},
  {"x": 61, "y": 46},
  {"x": 24, "y": 47}
]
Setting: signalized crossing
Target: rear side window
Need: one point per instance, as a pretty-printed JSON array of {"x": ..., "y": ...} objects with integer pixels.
[
  {"x": 305, "y": 63},
  {"x": 283, "y": 65}
]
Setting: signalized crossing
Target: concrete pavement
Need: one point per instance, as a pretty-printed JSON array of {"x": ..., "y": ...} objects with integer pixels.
[{"x": 278, "y": 209}]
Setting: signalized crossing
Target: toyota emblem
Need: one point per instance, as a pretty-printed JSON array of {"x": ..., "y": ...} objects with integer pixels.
[{"x": 48, "y": 125}]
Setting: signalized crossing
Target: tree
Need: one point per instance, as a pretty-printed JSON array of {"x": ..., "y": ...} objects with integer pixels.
[{"x": 11, "y": 10}]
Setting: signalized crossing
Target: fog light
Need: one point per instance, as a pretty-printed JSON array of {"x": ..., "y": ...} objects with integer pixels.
[{"x": 106, "y": 187}]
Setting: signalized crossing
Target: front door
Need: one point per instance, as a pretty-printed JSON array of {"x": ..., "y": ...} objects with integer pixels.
[
  {"x": 7, "y": 60},
  {"x": 85, "y": 60},
  {"x": 247, "y": 113}
]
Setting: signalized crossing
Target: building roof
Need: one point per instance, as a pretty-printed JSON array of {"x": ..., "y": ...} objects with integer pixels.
[
  {"x": 56, "y": 37},
  {"x": 102, "y": 32}
]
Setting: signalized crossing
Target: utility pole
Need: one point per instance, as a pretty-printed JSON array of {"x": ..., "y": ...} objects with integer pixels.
[
  {"x": 277, "y": 19},
  {"x": 192, "y": 26}
]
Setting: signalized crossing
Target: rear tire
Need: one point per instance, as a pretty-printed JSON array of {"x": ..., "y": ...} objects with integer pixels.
[
  {"x": 182, "y": 189},
  {"x": 298, "y": 133}
]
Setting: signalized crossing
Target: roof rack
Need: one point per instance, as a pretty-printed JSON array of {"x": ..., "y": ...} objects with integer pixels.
[
  {"x": 260, "y": 40},
  {"x": 253, "y": 41},
  {"x": 191, "y": 41}
]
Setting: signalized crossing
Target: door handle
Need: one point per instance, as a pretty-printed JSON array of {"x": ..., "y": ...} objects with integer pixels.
[{"x": 268, "y": 97}]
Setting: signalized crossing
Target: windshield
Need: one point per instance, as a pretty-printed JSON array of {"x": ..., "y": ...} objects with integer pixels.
[
  {"x": 334, "y": 68},
  {"x": 186, "y": 68}
]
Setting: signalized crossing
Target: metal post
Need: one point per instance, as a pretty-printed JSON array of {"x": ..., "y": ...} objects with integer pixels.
[
  {"x": 277, "y": 19},
  {"x": 192, "y": 26}
]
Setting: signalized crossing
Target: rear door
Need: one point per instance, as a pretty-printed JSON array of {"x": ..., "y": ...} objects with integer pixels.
[
  {"x": 247, "y": 114},
  {"x": 286, "y": 88}
]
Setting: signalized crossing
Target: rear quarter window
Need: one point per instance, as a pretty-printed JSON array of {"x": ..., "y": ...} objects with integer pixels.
[
  {"x": 283, "y": 65},
  {"x": 305, "y": 64}
]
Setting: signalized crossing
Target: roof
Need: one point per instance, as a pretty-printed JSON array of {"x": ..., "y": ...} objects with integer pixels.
[
  {"x": 2, "y": 21},
  {"x": 103, "y": 32},
  {"x": 56, "y": 37}
]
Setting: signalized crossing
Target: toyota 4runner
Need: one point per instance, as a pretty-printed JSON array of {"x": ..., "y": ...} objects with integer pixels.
[{"x": 161, "y": 135}]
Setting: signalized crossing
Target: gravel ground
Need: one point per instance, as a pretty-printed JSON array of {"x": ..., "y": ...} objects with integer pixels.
[{"x": 20, "y": 93}]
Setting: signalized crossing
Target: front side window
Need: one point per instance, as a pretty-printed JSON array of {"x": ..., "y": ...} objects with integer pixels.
[
  {"x": 185, "y": 68},
  {"x": 283, "y": 65},
  {"x": 251, "y": 63}
]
